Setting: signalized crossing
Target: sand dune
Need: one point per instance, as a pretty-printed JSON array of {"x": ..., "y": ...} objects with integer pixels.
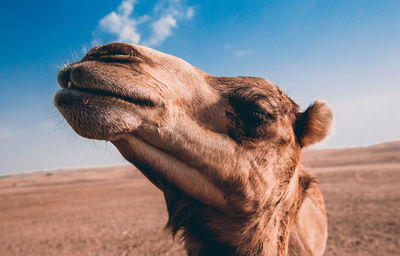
[{"x": 116, "y": 211}]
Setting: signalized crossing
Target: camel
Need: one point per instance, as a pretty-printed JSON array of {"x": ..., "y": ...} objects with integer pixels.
[{"x": 225, "y": 151}]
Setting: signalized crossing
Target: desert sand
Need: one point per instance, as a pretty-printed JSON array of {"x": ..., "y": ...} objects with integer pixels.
[{"x": 116, "y": 211}]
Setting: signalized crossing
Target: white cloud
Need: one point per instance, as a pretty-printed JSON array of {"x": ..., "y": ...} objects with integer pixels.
[
  {"x": 242, "y": 52},
  {"x": 161, "y": 30},
  {"x": 120, "y": 23},
  {"x": 125, "y": 27},
  {"x": 126, "y": 7},
  {"x": 190, "y": 13}
]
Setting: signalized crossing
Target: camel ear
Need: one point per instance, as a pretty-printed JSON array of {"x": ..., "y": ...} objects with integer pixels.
[{"x": 314, "y": 124}]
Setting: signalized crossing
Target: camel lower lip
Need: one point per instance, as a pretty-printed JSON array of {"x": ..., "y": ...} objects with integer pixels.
[{"x": 96, "y": 116}]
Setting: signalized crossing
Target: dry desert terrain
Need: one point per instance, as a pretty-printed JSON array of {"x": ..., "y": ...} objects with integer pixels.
[{"x": 116, "y": 211}]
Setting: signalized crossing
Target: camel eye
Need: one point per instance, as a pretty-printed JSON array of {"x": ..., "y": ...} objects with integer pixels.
[
  {"x": 262, "y": 117},
  {"x": 251, "y": 113},
  {"x": 249, "y": 119}
]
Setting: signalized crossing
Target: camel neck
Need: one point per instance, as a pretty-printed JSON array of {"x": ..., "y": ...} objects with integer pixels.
[
  {"x": 275, "y": 236},
  {"x": 264, "y": 234}
]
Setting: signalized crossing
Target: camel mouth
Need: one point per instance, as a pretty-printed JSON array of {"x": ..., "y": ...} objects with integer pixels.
[
  {"x": 75, "y": 78},
  {"x": 87, "y": 92},
  {"x": 98, "y": 108}
]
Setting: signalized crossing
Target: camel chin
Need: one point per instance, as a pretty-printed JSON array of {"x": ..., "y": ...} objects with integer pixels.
[
  {"x": 225, "y": 151},
  {"x": 93, "y": 117}
]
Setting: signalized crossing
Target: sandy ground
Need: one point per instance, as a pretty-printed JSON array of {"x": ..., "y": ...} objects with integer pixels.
[{"x": 116, "y": 211}]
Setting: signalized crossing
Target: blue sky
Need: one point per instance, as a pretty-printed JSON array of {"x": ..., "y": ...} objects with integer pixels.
[{"x": 345, "y": 52}]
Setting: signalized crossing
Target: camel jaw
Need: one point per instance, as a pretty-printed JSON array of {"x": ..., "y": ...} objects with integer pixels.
[
  {"x": 96, "y": 116},
  {"x": 164, "y": 169}
]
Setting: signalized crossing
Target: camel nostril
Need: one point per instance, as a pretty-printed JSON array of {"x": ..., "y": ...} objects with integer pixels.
[
  {"x": 112, "y": 49},
  {"x": 63, "y": 78}
]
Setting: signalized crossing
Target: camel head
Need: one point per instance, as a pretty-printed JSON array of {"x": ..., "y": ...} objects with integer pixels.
[{"x": 226, "y": 146}]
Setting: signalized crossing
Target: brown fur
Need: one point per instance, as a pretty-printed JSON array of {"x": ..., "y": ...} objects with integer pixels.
[
  {"x": 313, "y": 125},
  {"x": 225, "y": 151}
]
